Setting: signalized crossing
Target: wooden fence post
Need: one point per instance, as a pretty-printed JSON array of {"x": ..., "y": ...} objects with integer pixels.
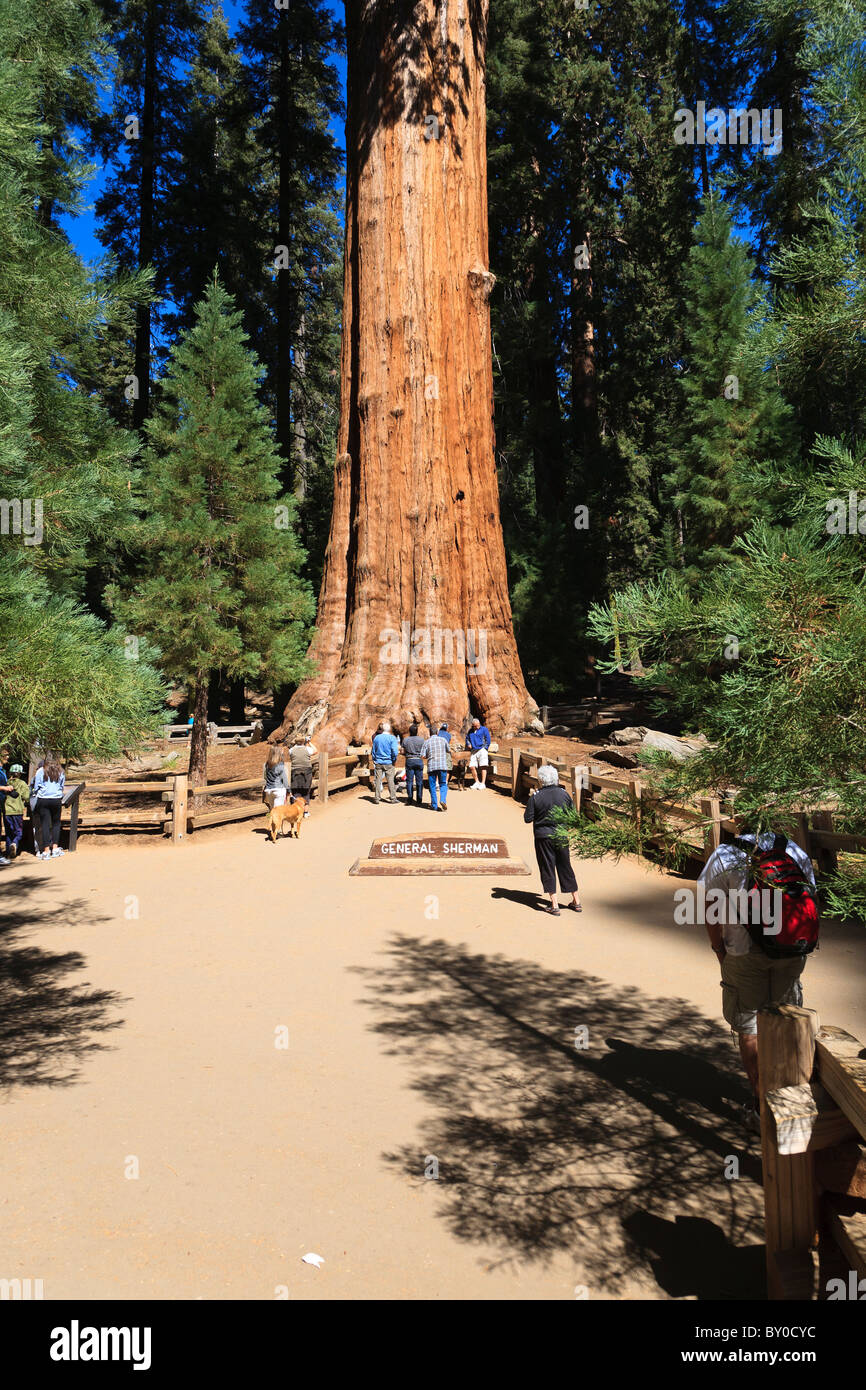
[
  {"x": 515, "y": 772},
  {"x": 576, "y": 787},
  {"x": 635, "y": 794},
  {"x": 323, "y": 778},
  {"x": 711, "y": 808},
  {"x": 178, "y": 808},
  {"x": 786, "y": 1056},
  {"x": 800, "y": 834},
  {"x": 73, "y": 817},
  {"x": 828, "y": 860}
]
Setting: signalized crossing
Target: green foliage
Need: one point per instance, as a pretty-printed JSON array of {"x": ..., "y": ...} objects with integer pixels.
[
  {"x": 69, "y": 683},
  {"x": 732, "y": 421},
  {"x": 219, "y": 589},
  {"x": 584, "y": 356},
  {"x": 65, "y": 680},
  {"x": 609, "y": 829}
]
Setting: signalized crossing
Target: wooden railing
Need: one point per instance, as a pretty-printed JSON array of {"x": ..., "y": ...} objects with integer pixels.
[
  {"x": 813, "y": 1132},
  {"x": 813, "y": 832},
  {"x": 217, "y": 733},
  {"x": 183, "y": 808}
]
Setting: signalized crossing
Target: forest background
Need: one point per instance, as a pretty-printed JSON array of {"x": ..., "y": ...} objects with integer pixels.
[{"x": 679, "y": 347}]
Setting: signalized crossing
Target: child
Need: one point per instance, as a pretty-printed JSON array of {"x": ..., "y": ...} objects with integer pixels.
[
  {"x": 15, "y": 799},
  {"x": 276, "y": 787}
]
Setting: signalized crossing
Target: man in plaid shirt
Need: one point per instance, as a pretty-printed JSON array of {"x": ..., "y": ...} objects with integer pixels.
[{"x": 435, "y": 750}]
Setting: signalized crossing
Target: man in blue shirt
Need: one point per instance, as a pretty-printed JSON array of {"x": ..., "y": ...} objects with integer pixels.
[
  {"x": 478, "y": 742},
  {"x": 386, "y": 750}
]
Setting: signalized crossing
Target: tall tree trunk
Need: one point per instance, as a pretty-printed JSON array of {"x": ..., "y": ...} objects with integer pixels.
[
  {"x": 141, "y": 405},
  {"x": 415, "y": 550},
  {"x": 284, "y": 277},
  {"x": 583, "y": 379},
  {"x": 300, "y": 428},
  {"x": 198, "y": 737}
]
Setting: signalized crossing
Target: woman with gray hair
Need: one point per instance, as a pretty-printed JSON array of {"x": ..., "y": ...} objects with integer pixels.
[{"x": 551, "y": 842}]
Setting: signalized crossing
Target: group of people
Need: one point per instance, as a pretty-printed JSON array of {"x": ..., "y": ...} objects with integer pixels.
[
  {"x": 435, "y": 751},
  {"x": 289, "y": 774},
  {"x": 44, "y": 796}
]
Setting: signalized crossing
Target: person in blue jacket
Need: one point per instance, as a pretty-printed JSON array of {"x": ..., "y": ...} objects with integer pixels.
[
  {"x": 47, "y": 788},
  {"x": 386, "y": 751},
  {"x": 478, "y": 742}
]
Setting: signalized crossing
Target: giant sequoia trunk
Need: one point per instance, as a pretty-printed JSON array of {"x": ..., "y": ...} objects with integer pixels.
[{"x": 414, "y": 617}]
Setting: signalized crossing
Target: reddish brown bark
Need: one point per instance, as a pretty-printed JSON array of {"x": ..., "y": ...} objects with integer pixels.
[{"x": 416, "y": 541}]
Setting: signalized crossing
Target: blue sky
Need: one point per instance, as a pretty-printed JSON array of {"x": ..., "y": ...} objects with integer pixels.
[{"x": 82, "y": 229}]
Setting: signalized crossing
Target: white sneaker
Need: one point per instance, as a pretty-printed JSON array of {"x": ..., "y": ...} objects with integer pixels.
[
  {"x": 56, "y": 852},
  {"x": 42, "y": 854},
  {"x": 4, "y": 860}
]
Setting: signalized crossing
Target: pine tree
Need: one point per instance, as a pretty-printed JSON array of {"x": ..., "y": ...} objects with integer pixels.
[
  {"x": 733, "y": 424},
  {"x": 590, "y": 213},
  {"x": 220, "y": 589},
  {"x": 294, "y": 93},
  {"x": 214, "y": 209},
  {"x": 66, "y": 680},
  {"x": 138, "y": 139}
]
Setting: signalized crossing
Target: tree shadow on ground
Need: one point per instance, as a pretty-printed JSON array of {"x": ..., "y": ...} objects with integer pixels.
[
  {"x": 607, "y": 1145},
  {"x": 48, "y": 1021}
]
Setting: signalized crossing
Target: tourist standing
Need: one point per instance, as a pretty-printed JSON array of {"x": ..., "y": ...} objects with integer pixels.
[
  {"x": 276, "y": 787},
  {"x": 438, "y": 755},
  {"x": 16, "y": 798},
  {"x": 47, "y": 788},
  {"x": 755, "y": 972},
  {"x": 301, "y": 757},
  {"x": 551, "y": 842},
  {"x": 478, "y": 743},
  {"x": 5, "y": 755},
  {"x": 386, "y": 751},
  {"x": 412, "y": 746}
]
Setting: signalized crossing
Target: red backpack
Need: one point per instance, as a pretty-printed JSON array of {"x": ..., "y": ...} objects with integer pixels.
[{"x": 772, "y": 869}]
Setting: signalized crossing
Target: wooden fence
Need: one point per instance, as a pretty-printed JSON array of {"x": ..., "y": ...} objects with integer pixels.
[
  {"x": 813, "y": 832},
  {"x": 217, "y": 733},
  {"x": 514, "y": 772},
  {"x": 813, "y": 1128},
  {"x": 182, "y": 808}
]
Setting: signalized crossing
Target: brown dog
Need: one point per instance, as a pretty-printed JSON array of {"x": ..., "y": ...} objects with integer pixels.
[{"x": 291, "y": 813}]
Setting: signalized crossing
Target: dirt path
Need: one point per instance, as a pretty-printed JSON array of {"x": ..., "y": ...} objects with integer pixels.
[{"x": 428, "y": 1019}]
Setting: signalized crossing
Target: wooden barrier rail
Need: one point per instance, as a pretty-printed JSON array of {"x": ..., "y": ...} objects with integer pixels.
[
  {"x": 184, "y": 807},
  {"x": 813, "y": 1127},
  {"x": 217, "y": 733},
  {"x": 819, "y": 840}
]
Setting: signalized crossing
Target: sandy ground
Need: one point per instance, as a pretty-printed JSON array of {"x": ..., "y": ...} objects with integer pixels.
[{"x": 432, "y": 1026}]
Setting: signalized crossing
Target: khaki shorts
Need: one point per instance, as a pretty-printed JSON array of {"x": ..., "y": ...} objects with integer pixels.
[{"x": 751, "y": 981}]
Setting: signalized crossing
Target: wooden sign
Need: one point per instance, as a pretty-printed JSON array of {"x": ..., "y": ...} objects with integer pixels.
[{"x": 455, "y": 853}]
